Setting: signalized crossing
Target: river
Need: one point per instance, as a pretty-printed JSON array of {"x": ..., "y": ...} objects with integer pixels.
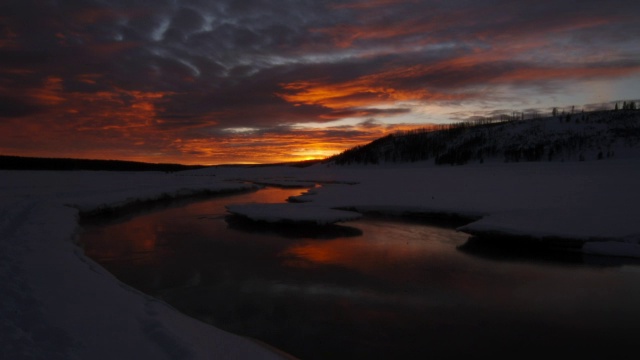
[{"x": 373, "y": 288}]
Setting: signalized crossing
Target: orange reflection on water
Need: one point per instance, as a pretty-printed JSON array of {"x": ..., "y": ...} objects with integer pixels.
[
  {"x": 358, "y": 254},
  {"x": 136, "y": 239},
  {"x": 382, "y": 249}
]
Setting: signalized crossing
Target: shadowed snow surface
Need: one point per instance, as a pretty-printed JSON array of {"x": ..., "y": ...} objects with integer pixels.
[{"x": 55, "y": 303}]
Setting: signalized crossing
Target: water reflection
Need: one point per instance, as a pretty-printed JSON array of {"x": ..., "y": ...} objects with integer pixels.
[
  {"x": 372, "y": 288},
  {"x": 136, "y": 240},
  {"x": 389, "y": 249}
]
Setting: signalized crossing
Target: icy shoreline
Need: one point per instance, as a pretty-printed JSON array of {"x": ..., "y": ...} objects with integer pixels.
[
  {"x": 292, "y": 213},
  {"x": 57, "y": 304},
  {"x": 595, "y": 203}
]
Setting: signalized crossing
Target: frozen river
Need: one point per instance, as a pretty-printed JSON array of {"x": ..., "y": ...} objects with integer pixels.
[{"x": 372, "y": 288}]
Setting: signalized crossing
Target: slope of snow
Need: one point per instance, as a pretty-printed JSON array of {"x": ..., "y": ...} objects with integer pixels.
[
  {"x": 613, "y": 248},
  {"x": 583, "y": 200},
  {"x": 566, "y": 137},
  {"x": 588, "y": 201},
  {"x": 55, "y": 303},
  {"x": 284, "y": 183}
]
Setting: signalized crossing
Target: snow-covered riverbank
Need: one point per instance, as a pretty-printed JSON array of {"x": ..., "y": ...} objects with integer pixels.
[
  {"x": 597, "y": 202},
  {"x": 57, "y": 304}
]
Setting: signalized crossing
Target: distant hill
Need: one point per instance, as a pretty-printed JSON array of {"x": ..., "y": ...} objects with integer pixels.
[
  {"x": 563, "y": 137},
  {"x": 33, "y": 163}
]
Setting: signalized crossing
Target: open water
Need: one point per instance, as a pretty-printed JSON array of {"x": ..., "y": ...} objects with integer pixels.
[{"x": 377, "y": 288}]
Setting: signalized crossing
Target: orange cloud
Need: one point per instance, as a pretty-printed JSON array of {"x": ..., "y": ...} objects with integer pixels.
[
  {"x": 127, "y": 124},
  {"x": 345, "y": 35},
  {"x": 75, "y": 124},
  {"x": 367, "y": 91},
  {"x": 335, "y": 96},
  {"x": 50, "y": 93},
  {"x": 258, "y": 148},
  {"x": 291, "y": 145},
  {"x": 90, "y": 79}
]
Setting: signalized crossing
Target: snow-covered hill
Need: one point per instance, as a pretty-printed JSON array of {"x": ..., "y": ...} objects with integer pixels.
[{"x": 564, "y": 137}]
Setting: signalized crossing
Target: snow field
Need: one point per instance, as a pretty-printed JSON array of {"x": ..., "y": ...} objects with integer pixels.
[
  {"x": 55, "y": 303},
  {"x": 591, "y": 201}
]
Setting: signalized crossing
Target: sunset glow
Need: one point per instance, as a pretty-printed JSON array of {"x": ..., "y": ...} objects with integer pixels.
[{"x": 200, "y": 82}]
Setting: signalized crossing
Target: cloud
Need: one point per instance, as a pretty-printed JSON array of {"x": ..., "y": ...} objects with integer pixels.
[
  {"x": 152, "y": 72},
  {"x": 15, "y": 107}
]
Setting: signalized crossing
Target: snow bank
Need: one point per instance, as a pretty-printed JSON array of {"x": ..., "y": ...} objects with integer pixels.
[
  {"x": 613, "y": 248},
  {"x": 284, "y": 183},
  {"x": 589, "y": 201},
  {"x": 55, "y": 303},
  {"x": 292, "y": 213},
  {"x": 585, "y": 201}
]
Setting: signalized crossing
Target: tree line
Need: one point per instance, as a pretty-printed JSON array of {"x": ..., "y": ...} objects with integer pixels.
[
  {"x": 585, "y": 134},
  {"x": 66, "y": 164}
]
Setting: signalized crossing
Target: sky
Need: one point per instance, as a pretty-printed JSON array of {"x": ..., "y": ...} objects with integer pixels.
[{"x": 259, "y": 81}]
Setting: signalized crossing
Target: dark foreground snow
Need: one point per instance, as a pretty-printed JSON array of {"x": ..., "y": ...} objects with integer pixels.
[{"x": 55, "y": 303}]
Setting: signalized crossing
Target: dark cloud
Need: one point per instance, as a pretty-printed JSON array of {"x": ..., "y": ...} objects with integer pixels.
[
  {"x": 15, "y": 107},
  {"x": 167, "y": 69},
  {"x": 22, "y": 59}
]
